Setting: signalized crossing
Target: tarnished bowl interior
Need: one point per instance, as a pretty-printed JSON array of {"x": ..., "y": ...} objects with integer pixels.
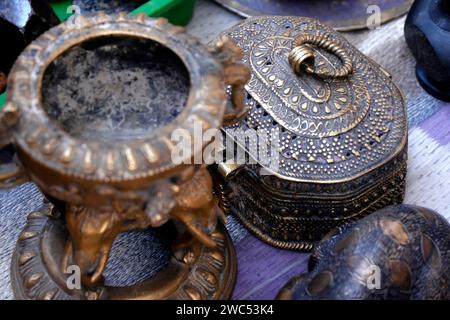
[{"x": 115, "y": 88}]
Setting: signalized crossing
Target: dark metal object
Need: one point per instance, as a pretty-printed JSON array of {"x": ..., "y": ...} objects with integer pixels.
[
  {"x": 400, "y": 252},
  {"x": 338, "y": 134},
  {"x": 2, "y": 82},
  {"x": 22, "y": 21},
  {"x": 343, "y": 15},
  {"x": 101, "y": 149},
  {"x": 427, "y": 35}
]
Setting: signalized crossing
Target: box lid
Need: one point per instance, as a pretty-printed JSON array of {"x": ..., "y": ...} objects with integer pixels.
[{"x": 328, "y": 113}]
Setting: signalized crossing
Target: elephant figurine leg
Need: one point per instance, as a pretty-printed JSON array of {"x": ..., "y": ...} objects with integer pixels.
[{"x": 91, "y": 235}]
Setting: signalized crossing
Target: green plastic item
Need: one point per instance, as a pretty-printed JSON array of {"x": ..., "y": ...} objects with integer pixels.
[
  {"x": 61, "y": 8},
  {"x": 178, "y": 12},
  {"x": 2, "y": 100}
]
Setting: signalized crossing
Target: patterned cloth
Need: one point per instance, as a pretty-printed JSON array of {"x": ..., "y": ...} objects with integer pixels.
[{"x": 262, "y": 269}]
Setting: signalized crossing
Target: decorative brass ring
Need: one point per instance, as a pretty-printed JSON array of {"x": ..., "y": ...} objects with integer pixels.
[{"x": 302, "y": 56}]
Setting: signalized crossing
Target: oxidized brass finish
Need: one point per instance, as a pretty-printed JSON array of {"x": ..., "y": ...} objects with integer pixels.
[
  {"x": 37, "y": 264},
  {"x": 338, "y": 126},
  {"x": 106, "y": 185}
]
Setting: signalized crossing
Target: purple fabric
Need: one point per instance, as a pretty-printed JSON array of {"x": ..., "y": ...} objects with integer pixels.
[
  {"x": 438, "y": 125},
  {"x": 263, "y": 270}
]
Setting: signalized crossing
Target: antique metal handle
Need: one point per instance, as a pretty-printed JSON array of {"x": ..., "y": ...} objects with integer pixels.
[
  {"x": 240, "y": 110},
  {"x": 11, "y": 174},
  {"x": 236, "y": 76},
  {"x": 302, "y": 56}
]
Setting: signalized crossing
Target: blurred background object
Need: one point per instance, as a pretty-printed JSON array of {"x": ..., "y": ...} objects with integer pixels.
[
  {"x": 343, "y": 15},
  {"x": 178, "y": 12},
  {"x": 22, "y": 21},
  {"x": 427, "y": 33},
  {"x": 2, "y": 82},
  {"x": 108, "y": 6}
]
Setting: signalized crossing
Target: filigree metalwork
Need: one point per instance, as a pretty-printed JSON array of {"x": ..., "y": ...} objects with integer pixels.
[{"x": 341, "y": 132}]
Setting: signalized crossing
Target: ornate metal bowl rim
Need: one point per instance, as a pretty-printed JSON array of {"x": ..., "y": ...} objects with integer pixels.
[{"x": 205, "y": 104}]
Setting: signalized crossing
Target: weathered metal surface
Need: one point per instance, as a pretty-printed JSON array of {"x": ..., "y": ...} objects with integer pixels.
[
  {"x": 22, "y": 21},
  {"x": 90, "y": 111}
]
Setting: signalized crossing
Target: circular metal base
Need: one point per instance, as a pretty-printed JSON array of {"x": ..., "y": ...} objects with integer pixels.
[
  {"x": 36, "y": 269},
  {"x": 341, "y": 15},
  {"x": 441, "y": 92}
]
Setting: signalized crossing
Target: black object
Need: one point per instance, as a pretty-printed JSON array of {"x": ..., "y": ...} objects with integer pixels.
[
  {"x": 2, "y": 82},
  {"x": 427, "y": 33},
  {"x": 22, "y": 21}
]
